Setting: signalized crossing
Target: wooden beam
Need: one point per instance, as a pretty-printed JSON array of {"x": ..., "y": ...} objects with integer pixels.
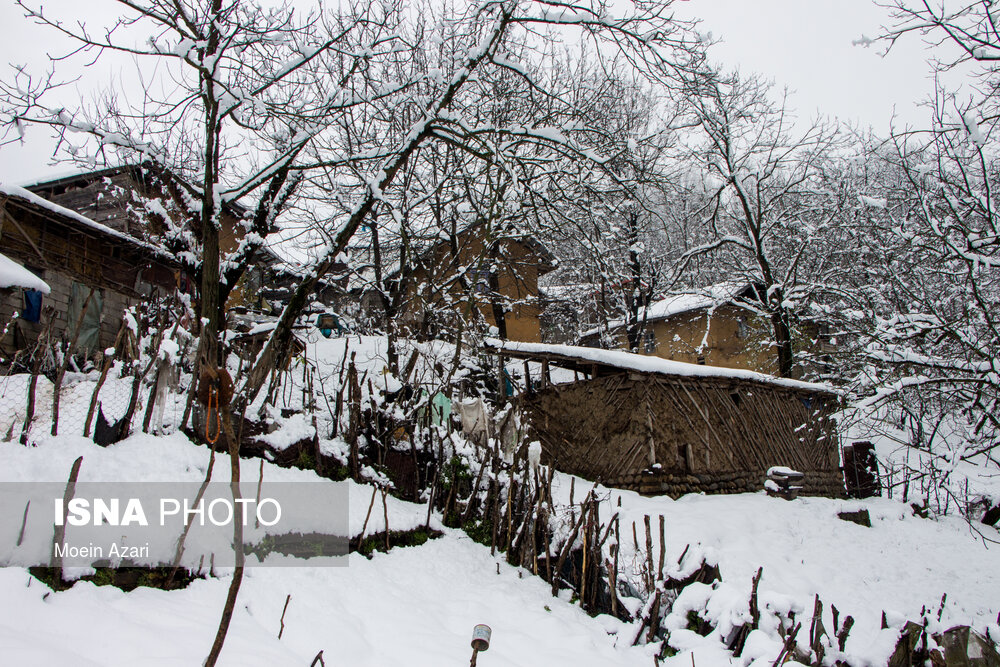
[{"x": 27, "y": 238}]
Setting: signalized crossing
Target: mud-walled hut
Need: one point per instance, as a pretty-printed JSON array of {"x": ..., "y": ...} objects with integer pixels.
[{"x": 666, "y": 427}]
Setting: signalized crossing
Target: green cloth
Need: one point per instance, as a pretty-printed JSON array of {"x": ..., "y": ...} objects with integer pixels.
[
  {"x": 440, "y": 409},
  {"x": 440, "y": 406}
]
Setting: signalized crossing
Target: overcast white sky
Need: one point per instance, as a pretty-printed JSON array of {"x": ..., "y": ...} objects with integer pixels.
[
  {"x": 802, "y": 44},
  {"x": 806, "y": 45}
]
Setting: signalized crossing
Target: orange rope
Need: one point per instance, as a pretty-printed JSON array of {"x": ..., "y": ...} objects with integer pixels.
[{"x": 213, "y": 392}]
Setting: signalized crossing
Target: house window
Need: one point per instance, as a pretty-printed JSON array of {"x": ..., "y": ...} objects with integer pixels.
[
  {"x": 481, "y": 280},
  {"x": 649, "y": 342},
  {"x": 742, "y": 329}
]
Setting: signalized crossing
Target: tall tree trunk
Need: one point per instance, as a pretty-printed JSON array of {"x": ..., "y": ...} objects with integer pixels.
[{"x": 782, "y": 340}]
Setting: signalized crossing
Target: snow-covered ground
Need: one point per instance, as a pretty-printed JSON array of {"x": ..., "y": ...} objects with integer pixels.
[
  {"x": 418, "y": 605},
  {"x": 414, "y": 606},
  {"x": 900, "y": 565}
]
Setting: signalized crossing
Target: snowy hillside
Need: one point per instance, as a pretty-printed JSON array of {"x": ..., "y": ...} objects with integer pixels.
[{"x": 417, "y": 605}]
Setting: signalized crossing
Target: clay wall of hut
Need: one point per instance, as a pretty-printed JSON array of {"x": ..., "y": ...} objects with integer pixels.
[{"x": 662, "y": 434}]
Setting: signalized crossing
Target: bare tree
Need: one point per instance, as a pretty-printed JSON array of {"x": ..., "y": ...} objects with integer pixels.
[
  {"x": 765, "y": 213},
  {"x": 245, "y": 90},
  {"x": 447, "y": 106}
]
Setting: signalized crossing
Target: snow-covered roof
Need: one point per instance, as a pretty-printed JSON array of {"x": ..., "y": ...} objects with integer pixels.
[
  {"x": 12, "y": 274},
  {"x": 61, "y": 178},
  {"x": 574, "y": 356},
  {"x": 69, "y": 214},
  {"x": 706, "y": 297},
  {"x": 712, "y": 296}
]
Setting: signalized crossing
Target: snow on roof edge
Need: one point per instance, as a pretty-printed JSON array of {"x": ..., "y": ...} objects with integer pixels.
[
  {"x": 650, "y": 364},
  {"x": 13, "y": 274},
  {"x": 31, "y": 197}
]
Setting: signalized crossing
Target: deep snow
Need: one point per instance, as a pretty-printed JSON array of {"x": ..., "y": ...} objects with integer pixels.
[{"x": 418, "y": 605}]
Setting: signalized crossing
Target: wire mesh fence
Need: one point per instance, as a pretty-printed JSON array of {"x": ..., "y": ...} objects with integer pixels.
[{"x": 86, "y": 406}]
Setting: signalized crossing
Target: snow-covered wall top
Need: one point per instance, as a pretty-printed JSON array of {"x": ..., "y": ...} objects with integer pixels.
[
  {"x": 13, "y": 274},
  {"x": 62, "y": 211},
  {"x": 648, "y": 364}
]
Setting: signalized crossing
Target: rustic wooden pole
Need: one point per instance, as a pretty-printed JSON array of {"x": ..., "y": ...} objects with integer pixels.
[
  {"x": 583, "y": 566},
  {"x": 430, "y": 502},
  {"x": 179, "y": 552},
  {"x": 24, "y": 523},
  {"x": 470, "y": 505},
  {"x": 354, "y": 418},
  {"x": 385, "y": 516},
  {"x": 282, "y": 630},
  {"x": 59, "y": 536},
  {"x": 36, "y": 368},
  {"x": 614, "y": 581},
  {"x": 511, "y": 489},
  {"x": 564, "y": 552},
  {"x": 501, "y": 372},
  {"x": 260, "y": 483},
  {"x": 649, "y": 554},
  {"x": 105, "y": 368},
  {"x": 139, "y": 377},
  {"x": 654, "y": 618},
  {"x": 572, "y": 488},
  {"x": 647, "y": 618},
  {"x": 234, "y": 586},
  {"x": 364, "y": 526},
  {"x": 663, "y": 549},
  {"x": 193, "y": 389}
]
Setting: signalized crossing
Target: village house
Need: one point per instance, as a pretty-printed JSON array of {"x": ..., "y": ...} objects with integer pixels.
[
  {"x": 720, "y": 325},
  {"x": 657, "y": 426},
  {"x": 144, "y": 201},
  {"x": 138, "y": 205},
  {"x": 137, "y": 200},
  {"x": 83, "y": 262},
  {"x": 481, "y": 276},
  {"x": 127, "y": 213}
]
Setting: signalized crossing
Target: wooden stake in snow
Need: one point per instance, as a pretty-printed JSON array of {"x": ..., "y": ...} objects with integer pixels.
[
  {"x": 385, "y": 515},
  {"x": 481, "y": 635},
  {"x": 234, "y": 485},
  {"x": 371, "y": 504},
  {"x": 282, "y": 630},
  {"x": 60, "y": 533},
  {"x": 24, "y": 522},
  {"x": 105, "y": 368}
]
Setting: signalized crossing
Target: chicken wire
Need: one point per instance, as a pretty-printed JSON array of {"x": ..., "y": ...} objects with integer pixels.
[{"x": 76, "y": 393}]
